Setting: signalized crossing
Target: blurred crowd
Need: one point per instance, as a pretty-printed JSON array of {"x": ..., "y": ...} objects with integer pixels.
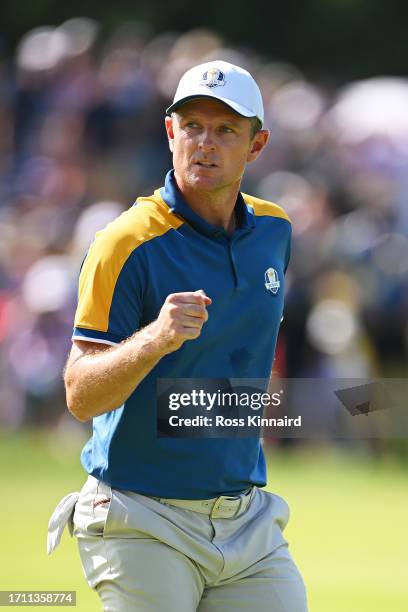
[{"x": 81, "y": 136}]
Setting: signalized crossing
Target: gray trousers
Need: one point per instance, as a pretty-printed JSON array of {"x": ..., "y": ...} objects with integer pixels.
[{"x": 144, "y": 554}]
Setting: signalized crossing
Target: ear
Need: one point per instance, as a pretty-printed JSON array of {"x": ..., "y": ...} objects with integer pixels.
[
  {"x": 258, "y": 144},
  {"x": 168, "y": 122}
]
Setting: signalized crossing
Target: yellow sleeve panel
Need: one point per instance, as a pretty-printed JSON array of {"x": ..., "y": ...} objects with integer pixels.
[
  {"x": 112, "y": 246},
  {"x": 263, "y": 208}
]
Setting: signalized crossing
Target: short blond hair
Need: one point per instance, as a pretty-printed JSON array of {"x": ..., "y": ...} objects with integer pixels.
[{"x": 256, "y": 126}]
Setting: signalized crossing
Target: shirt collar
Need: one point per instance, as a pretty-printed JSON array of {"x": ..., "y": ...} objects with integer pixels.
[{"x": 174, "y": 199}]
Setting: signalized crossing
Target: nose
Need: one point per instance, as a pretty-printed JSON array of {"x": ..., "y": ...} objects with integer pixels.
[{"x": 206, "y": 142}]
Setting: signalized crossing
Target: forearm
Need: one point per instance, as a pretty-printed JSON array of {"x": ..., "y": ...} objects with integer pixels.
[{"x": 100, "y": 382}]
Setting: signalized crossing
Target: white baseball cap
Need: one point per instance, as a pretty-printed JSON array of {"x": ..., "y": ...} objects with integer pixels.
[{"x": 228, "y": 83}]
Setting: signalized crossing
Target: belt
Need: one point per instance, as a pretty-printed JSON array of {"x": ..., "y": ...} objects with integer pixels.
[{"x": 223, "y": 506}]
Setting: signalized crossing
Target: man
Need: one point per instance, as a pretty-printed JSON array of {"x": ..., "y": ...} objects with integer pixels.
[{"x": 188, "y": 283}]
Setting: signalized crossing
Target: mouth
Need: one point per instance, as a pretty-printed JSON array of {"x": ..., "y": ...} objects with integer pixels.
[{"x": 203, "y": 164}]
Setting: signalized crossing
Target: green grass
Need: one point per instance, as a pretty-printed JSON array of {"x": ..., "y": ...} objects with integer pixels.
[{"x": 348, "y": 529}]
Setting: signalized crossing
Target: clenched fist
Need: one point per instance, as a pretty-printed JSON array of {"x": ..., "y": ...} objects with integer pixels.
[{"x": 181, "y": 318}]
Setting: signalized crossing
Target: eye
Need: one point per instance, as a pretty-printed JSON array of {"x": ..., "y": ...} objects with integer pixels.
[
  {"x": 192, "y": 124},
  {"x": 226, "y": 129}
]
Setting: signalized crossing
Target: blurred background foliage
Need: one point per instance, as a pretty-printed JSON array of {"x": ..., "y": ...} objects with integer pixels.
[{"x": 335, "y": 39}]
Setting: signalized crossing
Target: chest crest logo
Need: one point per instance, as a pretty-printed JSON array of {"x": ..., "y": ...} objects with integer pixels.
[{"x": 272, "y": 282}]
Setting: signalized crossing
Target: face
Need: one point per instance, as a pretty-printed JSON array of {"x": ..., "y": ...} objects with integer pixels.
[{"x": 211, "y": 144}]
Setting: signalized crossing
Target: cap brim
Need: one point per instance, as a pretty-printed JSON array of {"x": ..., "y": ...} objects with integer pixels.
[{"x": 238, "y": 108}]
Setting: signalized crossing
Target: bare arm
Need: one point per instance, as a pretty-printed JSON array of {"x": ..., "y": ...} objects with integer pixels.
[{"x": 99, "y": 378}]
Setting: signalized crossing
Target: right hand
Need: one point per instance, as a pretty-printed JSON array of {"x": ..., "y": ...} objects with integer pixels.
[{"x": 181, "y": 318}]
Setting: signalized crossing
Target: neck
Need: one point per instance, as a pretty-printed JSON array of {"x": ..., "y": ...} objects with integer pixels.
[{"x": 216, "y": 207}]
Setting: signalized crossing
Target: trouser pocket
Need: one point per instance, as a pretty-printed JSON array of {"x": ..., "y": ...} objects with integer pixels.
[{"x": 91, "y": 510}]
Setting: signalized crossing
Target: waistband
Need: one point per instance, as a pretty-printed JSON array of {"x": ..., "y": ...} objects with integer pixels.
[{"x": 223, "y": 506}]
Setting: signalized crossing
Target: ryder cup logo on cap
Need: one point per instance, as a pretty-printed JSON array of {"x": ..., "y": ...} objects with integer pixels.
[
  {"x": 213, "y": 78},
  {"x": 223, "y": 81}
]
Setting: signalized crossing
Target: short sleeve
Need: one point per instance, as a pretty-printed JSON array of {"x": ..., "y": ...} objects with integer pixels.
[{"x": 110, "y": 290}]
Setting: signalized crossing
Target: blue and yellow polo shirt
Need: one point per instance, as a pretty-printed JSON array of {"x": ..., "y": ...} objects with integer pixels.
[{"x": 161, "y": 246}]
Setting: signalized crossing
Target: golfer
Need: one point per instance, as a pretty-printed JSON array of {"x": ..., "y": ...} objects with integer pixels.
[{"x": 187, "y": 283}]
